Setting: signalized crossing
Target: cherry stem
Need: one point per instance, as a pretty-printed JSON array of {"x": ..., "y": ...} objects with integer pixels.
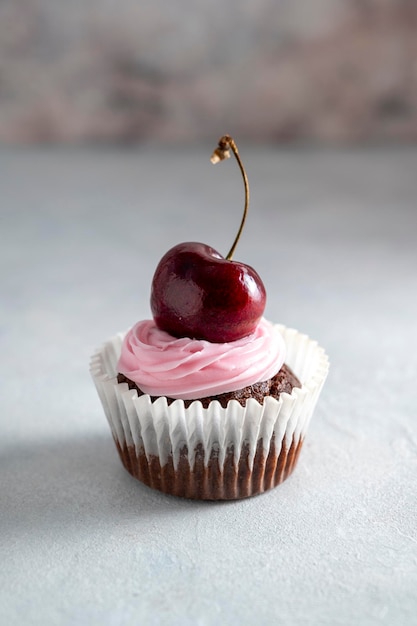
[{"x": 222, "y": 152}]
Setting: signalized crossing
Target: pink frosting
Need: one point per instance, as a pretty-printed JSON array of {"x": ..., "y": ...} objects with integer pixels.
[{"x": 162, "y": 365}]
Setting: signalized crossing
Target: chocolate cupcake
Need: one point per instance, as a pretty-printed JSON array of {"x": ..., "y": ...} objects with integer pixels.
[
  {"x": 218, "y": 452},
  {"x": 208, "y": 400}
]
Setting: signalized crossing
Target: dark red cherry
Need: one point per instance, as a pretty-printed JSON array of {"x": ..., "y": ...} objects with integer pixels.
[{"x": 198, "y": 293}]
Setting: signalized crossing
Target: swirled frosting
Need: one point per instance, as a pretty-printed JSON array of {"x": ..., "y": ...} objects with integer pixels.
[{"x": 162, "y": 365}]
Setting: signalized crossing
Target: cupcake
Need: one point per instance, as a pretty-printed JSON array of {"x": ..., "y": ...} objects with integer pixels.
[{"x": 209, "y": 400}]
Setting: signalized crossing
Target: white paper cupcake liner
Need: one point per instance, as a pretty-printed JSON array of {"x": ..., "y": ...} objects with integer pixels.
[{"x": 214, "y": 452}]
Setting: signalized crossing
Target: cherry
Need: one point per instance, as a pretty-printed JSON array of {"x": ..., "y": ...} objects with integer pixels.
[{"x": 198, "y": 293}]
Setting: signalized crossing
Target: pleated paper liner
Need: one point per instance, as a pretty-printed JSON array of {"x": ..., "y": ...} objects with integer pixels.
[{"x": 215, "y": 453}]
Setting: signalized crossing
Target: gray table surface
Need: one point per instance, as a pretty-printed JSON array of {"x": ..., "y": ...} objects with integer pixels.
[{"x": 333, "y": 234}]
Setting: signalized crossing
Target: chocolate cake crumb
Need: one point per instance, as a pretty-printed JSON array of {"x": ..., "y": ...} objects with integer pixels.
[{"x": 283, "y": 382}]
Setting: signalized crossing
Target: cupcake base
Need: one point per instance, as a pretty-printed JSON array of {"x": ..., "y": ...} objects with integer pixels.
[
  {"x": 214, "y": 452},
  {"x": 208, "y": 481}
]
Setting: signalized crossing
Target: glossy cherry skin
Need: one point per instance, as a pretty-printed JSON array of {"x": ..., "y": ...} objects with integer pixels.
[{"x": 198, "y": 293}]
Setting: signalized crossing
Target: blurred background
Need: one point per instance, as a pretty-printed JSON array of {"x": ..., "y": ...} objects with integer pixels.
[{"x": 331, "y": 71}]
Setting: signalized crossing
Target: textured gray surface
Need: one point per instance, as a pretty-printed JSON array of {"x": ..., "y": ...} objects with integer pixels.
[{"x": 334, "y": 236}]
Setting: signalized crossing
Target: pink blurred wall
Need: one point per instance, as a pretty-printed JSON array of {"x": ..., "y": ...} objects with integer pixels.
[{"x": 182, "y": 71}]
